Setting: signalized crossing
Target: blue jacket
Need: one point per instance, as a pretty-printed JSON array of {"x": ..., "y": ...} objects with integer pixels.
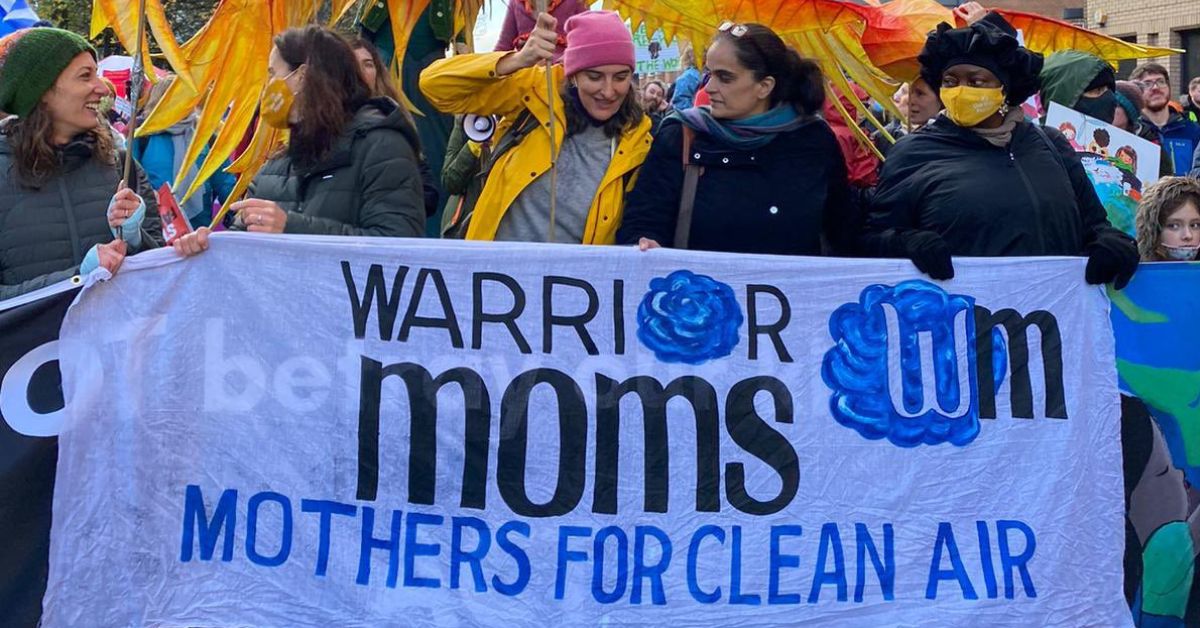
[
  {"x": 1181, "y": 138},
  {"x": 685, "y": 89},
  {"x": 156, "y": 154}
]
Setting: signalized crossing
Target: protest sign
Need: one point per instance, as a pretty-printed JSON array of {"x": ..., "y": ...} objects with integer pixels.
[
  {"x": 338, "y": 431},
  {"x": 1119, "y": 164},
  {"x": 653, "y": 54},
  {"x": 1158, "y": 362},
  {"x": 30, "y": 413}
]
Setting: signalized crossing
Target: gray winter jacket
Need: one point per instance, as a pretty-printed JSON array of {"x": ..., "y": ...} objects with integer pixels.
[
  {"x": 368, "y": 185},
  {"x": 46, "y": 232}
]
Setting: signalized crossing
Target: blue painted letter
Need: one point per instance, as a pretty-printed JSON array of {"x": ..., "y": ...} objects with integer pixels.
[
  {"x": 195, "y": 518},
  {"x": 830, "y": 539},
  {"x": 474, "y": 557},
  {"x": 704, "y": 597},
  {"x": 654, "y": 573},
  {"x": 945, "y": 538},
  {"x": 519, "y": 556},
  {"x": 1020, "y": 561},
  {"x": 780, "y": 561},
  {"x": 369, "y": 542},
  {"x": 566, "y": 555},
  {"x": 885, "y": 568},
  {"x": 326, "y": 509},
  {"x": 285, "y": 543}
]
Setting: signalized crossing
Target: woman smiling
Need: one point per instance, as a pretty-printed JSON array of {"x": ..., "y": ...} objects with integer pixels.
[
  {"x": 62, "y": 201},
  {"x": 606, "y": 134}
]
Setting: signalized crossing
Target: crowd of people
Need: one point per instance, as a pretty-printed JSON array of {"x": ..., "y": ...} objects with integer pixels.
[{"x": 766, "y": 164}]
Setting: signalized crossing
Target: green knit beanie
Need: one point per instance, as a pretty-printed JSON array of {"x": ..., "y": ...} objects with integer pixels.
[{"x": 30, "y": 62}]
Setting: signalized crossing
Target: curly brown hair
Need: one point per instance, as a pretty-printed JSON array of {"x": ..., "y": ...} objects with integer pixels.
[
  {"x": 1160, "y": 202},
  {"x": 37, "y": 159}
]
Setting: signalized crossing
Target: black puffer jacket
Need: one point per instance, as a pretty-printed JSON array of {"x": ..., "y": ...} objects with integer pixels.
[
  {"x": 782, "y": 198},
  {"x": 1032, "y": 198},
  {"x": 368, "y": 185},
  {"x": 46, "y": 232}
]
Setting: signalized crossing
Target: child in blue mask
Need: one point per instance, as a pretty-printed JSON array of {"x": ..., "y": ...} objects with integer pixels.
[{"x": 1168, "y": 221}]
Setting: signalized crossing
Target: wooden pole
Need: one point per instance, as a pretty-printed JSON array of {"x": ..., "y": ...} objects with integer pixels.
[
  {"x": 550, "y": 96},
  {"x": 136, "y": 80}
]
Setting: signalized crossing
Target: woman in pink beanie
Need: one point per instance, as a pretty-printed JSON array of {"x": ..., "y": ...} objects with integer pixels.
[{"x": 601, "y": 139}]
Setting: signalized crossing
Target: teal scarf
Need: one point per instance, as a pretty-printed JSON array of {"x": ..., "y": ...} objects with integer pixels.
[{"x": 747, "y": 133}]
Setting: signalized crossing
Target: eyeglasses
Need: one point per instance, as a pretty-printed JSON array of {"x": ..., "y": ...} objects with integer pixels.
[
  {"x": 737, "y": 30},
  {"x": 1156, "y": 83}
]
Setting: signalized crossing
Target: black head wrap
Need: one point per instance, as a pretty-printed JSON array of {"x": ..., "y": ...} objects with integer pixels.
[{"x": 990, "y": 43}]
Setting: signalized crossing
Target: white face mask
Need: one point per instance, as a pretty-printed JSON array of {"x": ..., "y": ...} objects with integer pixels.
[{"x": 1181, "y": 253}]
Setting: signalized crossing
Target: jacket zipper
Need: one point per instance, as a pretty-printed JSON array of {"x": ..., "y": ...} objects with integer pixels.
[
  {"x": 1033, "y": 198},
  {"x": 72, "y": 228}
]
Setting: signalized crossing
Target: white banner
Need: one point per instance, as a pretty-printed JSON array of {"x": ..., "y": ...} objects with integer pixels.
[{"x": 364, "y": 432}]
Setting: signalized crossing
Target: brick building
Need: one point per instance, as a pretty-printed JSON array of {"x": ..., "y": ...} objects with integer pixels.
[{"x": 1170, "y": 23}]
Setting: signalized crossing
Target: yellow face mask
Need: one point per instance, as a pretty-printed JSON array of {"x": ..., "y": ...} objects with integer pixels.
[
  {"x": 968, "y": 106},
  {"x": 276, "y": 102}
]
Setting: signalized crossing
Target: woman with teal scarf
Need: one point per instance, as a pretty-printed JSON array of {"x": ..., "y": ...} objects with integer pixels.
[{"x": 757, "y": 171}]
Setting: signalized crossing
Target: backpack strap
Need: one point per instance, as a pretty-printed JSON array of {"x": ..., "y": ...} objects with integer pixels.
[
  {"x": 521, "y": 127},
  {"x": 687, "y": 194},
  {"x": 1045, "y": 137},
  {"x": 458, "y": 224}
]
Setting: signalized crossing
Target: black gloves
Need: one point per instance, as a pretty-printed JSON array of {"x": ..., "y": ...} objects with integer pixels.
[
  {"x": 929, "y": 252},
  {"x": 1112, "y": 257}
]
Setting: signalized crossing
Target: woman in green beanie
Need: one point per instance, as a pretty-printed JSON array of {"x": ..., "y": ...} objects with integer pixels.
[{"x": 63, "y": 207}]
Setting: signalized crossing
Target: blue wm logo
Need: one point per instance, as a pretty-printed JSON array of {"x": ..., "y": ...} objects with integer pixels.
[{"x": 903, "y": 365}]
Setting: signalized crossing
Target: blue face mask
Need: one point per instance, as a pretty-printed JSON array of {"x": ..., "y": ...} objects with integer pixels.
[{"x": 1180, "y": 253}]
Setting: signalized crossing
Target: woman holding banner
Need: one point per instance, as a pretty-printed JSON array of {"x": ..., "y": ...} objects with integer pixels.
[
  {"x": 938, "y": 193},
  {"x": 591, "y": 120},
  {"x": 62, "y": 200},
  {"x": 350, "y": 167},
  {"x": 757, "y": 171}
]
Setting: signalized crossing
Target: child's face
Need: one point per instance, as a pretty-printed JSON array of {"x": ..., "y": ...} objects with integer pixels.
[
  {"x": 1125, "y": 158},
  {"x": 1182, "y": 227},
  {"x": 1068, "y": 132}
]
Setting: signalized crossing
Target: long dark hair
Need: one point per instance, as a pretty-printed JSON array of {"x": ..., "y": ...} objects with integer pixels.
[
  {"x": 578, "y": 120},
  {"x": 35, "y": 157},
  {"x": 798, "y": 81},
  {"x": 384, "y": 85},
  {"x": 333, "y": 89}
]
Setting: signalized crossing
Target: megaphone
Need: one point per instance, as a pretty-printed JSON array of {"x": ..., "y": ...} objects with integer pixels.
[{"x": 479, "y": 128}]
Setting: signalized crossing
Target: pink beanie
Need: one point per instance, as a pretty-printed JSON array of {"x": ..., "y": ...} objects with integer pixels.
[{"x": 596, "y": 38}]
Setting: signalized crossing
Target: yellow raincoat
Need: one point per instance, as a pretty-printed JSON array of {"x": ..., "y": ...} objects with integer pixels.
[{"x": 468, "y": 84}]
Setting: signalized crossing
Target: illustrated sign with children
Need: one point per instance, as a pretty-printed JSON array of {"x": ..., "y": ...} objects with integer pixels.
[{"x": 1120, "y": 164}]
